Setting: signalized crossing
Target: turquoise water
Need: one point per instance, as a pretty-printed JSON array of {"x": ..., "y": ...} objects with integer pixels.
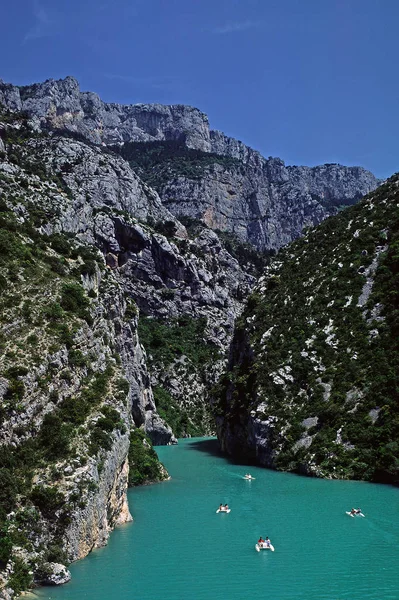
[{"x": 178, "y": 548}]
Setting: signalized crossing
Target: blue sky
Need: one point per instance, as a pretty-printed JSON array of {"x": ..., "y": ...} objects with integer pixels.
[{"x": 310, "y": 81}]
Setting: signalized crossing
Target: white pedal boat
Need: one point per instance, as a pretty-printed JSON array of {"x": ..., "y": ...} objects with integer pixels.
[
  {"x": 248, "y": 477},
  {"x": 357, "y": 514},
  {"x": 264, "y": 546}
]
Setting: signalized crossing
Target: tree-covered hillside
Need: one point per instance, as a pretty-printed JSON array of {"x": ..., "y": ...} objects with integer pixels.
[{"x": 313, "y": 382}]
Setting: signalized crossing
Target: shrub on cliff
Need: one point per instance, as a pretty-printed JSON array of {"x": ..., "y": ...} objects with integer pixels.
[{"x": 144, "y": 466}]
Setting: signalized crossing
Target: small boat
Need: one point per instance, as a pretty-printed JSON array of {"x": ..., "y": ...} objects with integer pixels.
[
  {"x": 248, "y": 477},
  {"x": 356, "y": 514},
  {"x": 225, "y": 510},
  {"x": 264, "y": 546}
]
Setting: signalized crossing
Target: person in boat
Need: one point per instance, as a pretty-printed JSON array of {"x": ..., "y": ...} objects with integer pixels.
[
  {"x": 226, "y": 507},
  {"x": 261, "y": 540},
  {"x": 267, "y": 542},
  {"x": 353, "y": 511},
  {"x": 358, "y": 511},
  {"x": 221, "y": 507}
]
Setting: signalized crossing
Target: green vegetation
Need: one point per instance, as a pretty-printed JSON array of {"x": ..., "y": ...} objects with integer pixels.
[
  {"x": 249, "y": 259},
  {"x": 181, "y": 421},
  {"x": 21, "y": 579},
  {"x": 167, "y": 343},
  {"x": 303, "y": 331},
  {"x": 158, "y": 162},
  {"x": 333, "y": 205},
  {"x": 144, "y": 466},
  {"x": 43, "y": 305},
  {"x": 167, "y": 340}
]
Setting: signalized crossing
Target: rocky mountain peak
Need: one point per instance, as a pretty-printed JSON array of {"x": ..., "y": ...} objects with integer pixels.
[{"x": 59, "y": 104}]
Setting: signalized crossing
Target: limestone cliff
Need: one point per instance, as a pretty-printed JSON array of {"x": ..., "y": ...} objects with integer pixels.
[
  {"x": 73, "y": 376},
  {"x": 61, "y": 105},
  {"x": 261, "y": 201}
]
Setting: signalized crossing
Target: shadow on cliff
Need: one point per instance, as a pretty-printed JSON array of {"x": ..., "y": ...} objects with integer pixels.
[
  {"x": 209, "y": 446},
  {"x": 212, "y": 447}
]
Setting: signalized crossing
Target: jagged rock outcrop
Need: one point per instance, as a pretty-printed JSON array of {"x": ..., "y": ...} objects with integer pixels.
[
  {"x": 54, "y": 574},
  {"x": 59, "y": 104},
  {"x": 73, "y": 378},
  {"x": 264, "y": 202},
  {"x": 98, "y": 197},
  {"x": 314, "y": 360},
  {"x": 260, "y": 200}
]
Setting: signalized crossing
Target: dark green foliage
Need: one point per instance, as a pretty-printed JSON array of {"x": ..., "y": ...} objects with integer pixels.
[
  {"x": 74, "y": 300},
  {"x": 8, "y": 491},
  {"x": 60, "y": 243},
  {"x": 73, "y": 297},
  {"x": 166, "y": 228},
  {"x": 47, "y": 499},
  {"x": 6, "y": 545},
  {"x": 89, "y": 268},
  {"x": 57, "y": 265},
  {"x": 123, "y": 386},
  {"x": 55, "y": 437},
  {"x": 21, "y": 579},
  {"x": 144, "y": 465},
  {"x": 99, "y": 440},
  {"x": 53, "y": 312},
  {"x": 76, "y": 358},
  {"x": 181, "y": 423},
  {"x": 333, "y": 205},
  {"x": 168, "y": 293},
  {"x": 56, "y": 553},
  {"x": 132, "y": 310},
  {"x": 16, "y": 387},
  {"x": 244, "y": 253},
  {"x": 167, "y": 340},
  {"x": 158, "y": 162},
  {"x": 193, "y": 226},
  {"x": 64, "y": 334},
  {"x": 111, "y": 420}
]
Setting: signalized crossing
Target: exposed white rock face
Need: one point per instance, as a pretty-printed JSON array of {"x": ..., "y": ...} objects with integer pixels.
[
  {"x": 262, "y": 201},
  {"x": 61, "y": 105},
  {"x": 98, "y": 181},
  {"x": 107, "y": 507},
  {"x": 55, "y": 574},
  {"x": 369, "y": 274}
]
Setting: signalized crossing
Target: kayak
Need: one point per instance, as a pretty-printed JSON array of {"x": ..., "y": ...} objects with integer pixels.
[
  {"x": 248, "y": 478},
  {"x": 355, "y": 515},
  {"x": 259, "y": 547},
  {"x": 223, "y": 510}
]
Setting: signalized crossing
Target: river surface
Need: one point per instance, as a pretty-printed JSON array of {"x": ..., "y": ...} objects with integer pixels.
[{"x": 178, "y": 548}]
